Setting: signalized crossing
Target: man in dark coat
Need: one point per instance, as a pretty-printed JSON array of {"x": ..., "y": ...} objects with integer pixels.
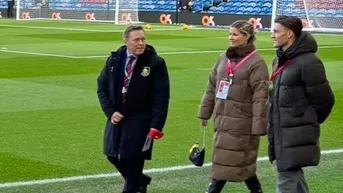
[
  {"x": 300, "y": 100},
  {"x": 133, "y": 90}
]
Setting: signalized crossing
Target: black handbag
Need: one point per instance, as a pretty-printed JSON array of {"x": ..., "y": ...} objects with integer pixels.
[{"x": 197, "y": 154}]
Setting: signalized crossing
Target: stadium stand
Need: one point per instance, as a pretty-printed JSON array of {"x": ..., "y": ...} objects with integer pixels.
[{"x": 326, "y": 8}]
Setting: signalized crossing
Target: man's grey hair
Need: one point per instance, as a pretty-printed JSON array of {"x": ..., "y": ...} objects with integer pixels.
[{"x": 132, "y": 28}]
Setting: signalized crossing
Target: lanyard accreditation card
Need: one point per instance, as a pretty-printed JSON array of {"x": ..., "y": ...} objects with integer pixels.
[
  {"x": 224, "y": 85},
  {"x": 276, "y": 71}
]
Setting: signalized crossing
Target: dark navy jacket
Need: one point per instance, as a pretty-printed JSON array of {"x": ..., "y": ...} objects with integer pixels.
[{"x": 146, "y": 104}]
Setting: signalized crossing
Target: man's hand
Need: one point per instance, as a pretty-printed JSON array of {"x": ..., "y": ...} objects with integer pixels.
[
  {"x": 155, "y": 134},
  {"x": 116, "y": 118},
  {"x": 203, "y": 122}
]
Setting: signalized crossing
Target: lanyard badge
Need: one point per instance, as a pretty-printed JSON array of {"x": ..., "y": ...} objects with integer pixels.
[
  {"x": 224, "y": 85},
  {"x": 277, "y": 71}
]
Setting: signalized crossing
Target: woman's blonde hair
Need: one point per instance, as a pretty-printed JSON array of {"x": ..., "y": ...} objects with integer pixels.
[{"x": 245, "y": 28}]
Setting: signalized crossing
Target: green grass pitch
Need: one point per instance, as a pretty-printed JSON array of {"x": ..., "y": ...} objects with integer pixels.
[{"x": 52, "y": 125}]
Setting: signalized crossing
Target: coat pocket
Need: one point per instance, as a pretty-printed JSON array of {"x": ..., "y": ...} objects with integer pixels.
[
  {"x": 300, "y": 102},
  {"x": 111, "y": 137},
  {"x": 133, "y": 135},
  {"x": 293, "y": 100},
  {"x": 285, "y": 97}
]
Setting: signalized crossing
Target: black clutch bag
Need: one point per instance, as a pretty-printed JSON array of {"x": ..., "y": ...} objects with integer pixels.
[{"x": 197, "y": 154}]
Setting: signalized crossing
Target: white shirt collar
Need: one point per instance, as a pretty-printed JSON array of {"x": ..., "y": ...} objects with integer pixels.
[{"x": 128, "y": 54}]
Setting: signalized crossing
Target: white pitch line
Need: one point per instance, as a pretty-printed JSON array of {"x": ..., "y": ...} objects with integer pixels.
[
  {"x": 170, "y": 28},
  {"x": 162, "y": 53},
  {"x": 207, "y": 51},
  {"x": 77, "y": 29},
  {"x": 153, "y": 170},
  {"x": 170, "y": 53},
  {"x": 59, "y": 28},
  {"x": 37, "y": 54}
]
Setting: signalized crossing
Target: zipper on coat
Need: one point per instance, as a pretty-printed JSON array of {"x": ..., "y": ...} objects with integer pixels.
[
  {"x": 113, "y": 60},
  {"x": 278, "y": 113}
]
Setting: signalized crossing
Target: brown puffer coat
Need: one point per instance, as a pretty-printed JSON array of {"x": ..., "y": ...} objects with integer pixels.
[{"x": 240, "y": 120}]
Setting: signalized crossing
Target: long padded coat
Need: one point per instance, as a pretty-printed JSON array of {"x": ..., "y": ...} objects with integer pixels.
[{"x": 240, "y": 120}]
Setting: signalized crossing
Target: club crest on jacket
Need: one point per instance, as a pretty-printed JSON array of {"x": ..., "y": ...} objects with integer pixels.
[{"x": 146, "y": 71}]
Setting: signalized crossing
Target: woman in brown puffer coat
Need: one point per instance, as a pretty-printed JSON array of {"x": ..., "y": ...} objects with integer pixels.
[{"x": 236, "y": 95}]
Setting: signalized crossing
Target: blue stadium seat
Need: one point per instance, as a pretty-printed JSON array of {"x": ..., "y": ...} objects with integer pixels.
[
  {"x": 248, "y": 7},
  {"x": 197, "y": 9}
]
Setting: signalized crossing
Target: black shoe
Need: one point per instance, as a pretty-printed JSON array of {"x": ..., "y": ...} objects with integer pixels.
[
  {"x": 254, "y": 185},
  {"x": 216, "y": 186},
  {"x": 145, "y": 182}
]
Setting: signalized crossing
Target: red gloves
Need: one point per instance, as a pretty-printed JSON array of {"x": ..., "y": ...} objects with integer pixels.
[{"x": 155, "y": 134}]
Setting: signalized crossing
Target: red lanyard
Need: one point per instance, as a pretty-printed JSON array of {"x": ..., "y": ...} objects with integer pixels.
[
  {"x": 230, "y": 70},
  {"x": 278, "y": 71}
]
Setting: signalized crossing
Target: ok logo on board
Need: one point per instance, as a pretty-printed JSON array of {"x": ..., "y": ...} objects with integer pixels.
[
  {"x": 256, "y": 22},
  {"x": 126, "y": 18},
  {"x": 165, "y": 19},
  {"x": 90, "y": 17},
  {"x": 208, "y": 20},
  {"x": 25, "y": 15},
  {"x": 56, "y": 16}
]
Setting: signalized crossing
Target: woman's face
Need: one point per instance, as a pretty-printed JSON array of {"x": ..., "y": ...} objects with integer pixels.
[{"x": 236, "y": 38}]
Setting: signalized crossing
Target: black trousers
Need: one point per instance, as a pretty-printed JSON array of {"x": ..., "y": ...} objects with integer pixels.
[
  {"x": 10, "y": 5},
  {"x": 132, "y": 172},
  {"x": 253, "y": 184}
]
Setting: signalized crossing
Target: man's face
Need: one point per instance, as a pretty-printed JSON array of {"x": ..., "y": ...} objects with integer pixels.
[
  {"x": 281, "y": 36},
  {"x": 236, "y": 38},
  {"x": 135, "y": 42}
]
